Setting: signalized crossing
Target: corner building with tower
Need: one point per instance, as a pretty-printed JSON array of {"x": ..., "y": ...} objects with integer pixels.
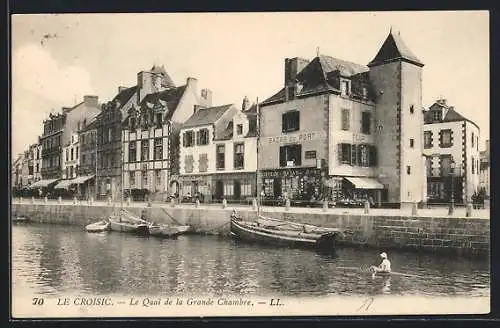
[{"x": 348, "y": 132}]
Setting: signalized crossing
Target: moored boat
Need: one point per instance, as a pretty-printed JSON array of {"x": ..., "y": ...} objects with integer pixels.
[
  {"x": 20, "y": 219},
  {"x": 126, "y": 222},
  {"x": 100, "y": 226},
  {"x": 308, "y": 237},
  {"x": 167, "y": 231}
]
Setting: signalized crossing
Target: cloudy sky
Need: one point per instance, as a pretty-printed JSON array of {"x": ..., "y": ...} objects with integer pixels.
[{"x": 56, "y": 59}]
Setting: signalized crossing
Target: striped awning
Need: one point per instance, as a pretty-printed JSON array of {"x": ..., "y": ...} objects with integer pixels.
[
  {"x": 82, "y": 179},
  {"x": 42, "y": 183},
  {"x": 64, "y": 184},
  {"x": 365, "y": 183}
]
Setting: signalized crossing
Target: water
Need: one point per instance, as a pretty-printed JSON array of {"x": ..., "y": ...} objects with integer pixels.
[{"x": 55, "y": 260}]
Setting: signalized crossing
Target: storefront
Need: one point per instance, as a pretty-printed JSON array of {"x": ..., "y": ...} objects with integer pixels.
[
  {"x": 191, "y": 186},
  {"x": 293, "y": 183},
  {"x": 347, "y": 190}
]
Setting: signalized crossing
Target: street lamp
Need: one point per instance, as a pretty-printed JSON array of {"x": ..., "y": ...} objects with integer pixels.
[{"x": 452, "y": 200}]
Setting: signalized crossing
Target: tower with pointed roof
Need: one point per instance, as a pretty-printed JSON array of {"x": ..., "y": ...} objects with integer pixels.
[{"x": 396, "y": 77}]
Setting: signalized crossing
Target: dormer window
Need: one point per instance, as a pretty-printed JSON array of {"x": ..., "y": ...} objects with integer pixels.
[
  {"x": 344, "y": 87},
  {"x": 239, "y": 129},
  {"x": 159, "y": 119},
  {"x": 436, "y": 115},
  {"x": 365, "y": 93}
]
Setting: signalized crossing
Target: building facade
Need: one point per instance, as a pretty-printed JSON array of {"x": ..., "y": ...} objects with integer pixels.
[
  {"x": 51, "y": 142},
  {"x": 150, "y": 132},
  {"x": 484, "y": 169},
  {"x": 71, "y": 158},
  {"x": 451, "y": 149},
  {"x": 335, "y": 130},
  {"x": 87, "y": 139},
  {"x": 217, "y": 157},
  {"x": 37, "y": 162}
]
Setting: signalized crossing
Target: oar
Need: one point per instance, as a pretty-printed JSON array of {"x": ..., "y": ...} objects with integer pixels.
[
  {"x": 392, "y": 272},
  {"x": 171, "y": 217}
]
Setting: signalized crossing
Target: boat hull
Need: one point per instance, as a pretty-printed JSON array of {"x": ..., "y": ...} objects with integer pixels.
[
  {"x": 20, "y": 219},
  {"x": 127, "y": 227},
  {"x": 246, "y": 232},
  {"x": 98, "y": 227}
]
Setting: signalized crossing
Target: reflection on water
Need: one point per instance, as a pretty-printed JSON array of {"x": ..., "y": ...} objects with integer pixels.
[{"x": 56, "y": 259}]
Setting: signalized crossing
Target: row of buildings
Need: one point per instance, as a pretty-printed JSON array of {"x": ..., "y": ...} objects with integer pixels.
[{"x": 335, "y": 130}]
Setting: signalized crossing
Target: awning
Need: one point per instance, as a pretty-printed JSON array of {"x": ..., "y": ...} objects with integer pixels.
[
  {"x": 64, "y": 184},
  {"x": 365, "y": 183},
  {"x": 82, "y": 179},
  {"x": 42, "y": 183}
]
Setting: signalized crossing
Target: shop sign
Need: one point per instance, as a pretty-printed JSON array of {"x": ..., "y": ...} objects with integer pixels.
[
  {"x": 290, "y": 173},
  {"x": 297, "y": 137}
]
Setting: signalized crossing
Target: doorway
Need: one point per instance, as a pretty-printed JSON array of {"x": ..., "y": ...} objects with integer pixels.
[
  {"x": 237, "y": 189},
  {"x": 219, "y": 189}
]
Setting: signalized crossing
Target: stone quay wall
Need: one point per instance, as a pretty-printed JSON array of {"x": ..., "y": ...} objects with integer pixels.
[{"x": 454, "y": 235}]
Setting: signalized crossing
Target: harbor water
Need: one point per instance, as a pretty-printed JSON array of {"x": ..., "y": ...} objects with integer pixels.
[{"x": 55, "y": 260}]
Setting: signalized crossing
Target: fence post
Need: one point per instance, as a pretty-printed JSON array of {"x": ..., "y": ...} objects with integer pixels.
[
  {"x": 197, "y": 204},
  {"x": 91, "y": 200},
  {"x": 109, "y": 201},
  {"x": 32, "y": 200},
  {"x": 254, "y": 204},
  {"x": 325, "y": 205},
  {"x": 128, "y": 201},
  {"x": 172, "y": 202},
  {"x": 224, "y": 203},
  {"x": 75, "y": 201},
  {"x": 45, "y": 199},
  {"x": 287, "y": 204},
  {"x": 20, "y": 199}
]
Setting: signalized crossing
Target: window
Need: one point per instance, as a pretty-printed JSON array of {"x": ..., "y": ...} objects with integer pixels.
[
  {"x": 84, "y": 159},
  {"x": 345, "y": 120},
  {"x": 239, "y": 156},
  {"x": 365, "y": 122},
  {"x": 188, "y": 139},
  {"x": 373, "y": 155},
  {"x": 477, "y": 142},
  {"x": 158, "y": 177},
  {"x": 72, "y": 153},
  {"x": 144, "y": 150},
  {"x": 67, "y": 172},
  {"x": 472, "y": 167},
  {"x": 220, "y": 157},
  {"x": 365, "y": 92},
  {"x": 67, "y": 155},
  {"x": 202, "y": 137},
  {"x": 446, "y": 138},
  {"x": 203, "y": 163},
  {"x": 364, "y": 155},
  {"x": 344, "y": 88},
  {"x": 408, "y": 169},
  {"x": 144, "y": 178},
  {"x": 159, "y": 119},
  {"x": 188, "y": 163},
  {"x": 290, "y": 155},
  {"x": 412, "y": 109},
  {"x": 132, "y": 178},
  {"x": 445, "y": 164},
  {"x": 158, "y": 148},
  {"x": 310, "y": 154},
  {"x": 472, "y": 140},
  {"x": 344, "y": 152},
  {"x": 427, "y": 139},
  {"x": 239, "y": 129},
  {"x": 110, "y": 134},
  {"x": 70, "y": 172},
  {"x": 228, "y": 188},
  {"x": 290, "y": 121},
  {"x": 76, "y": 156},
  {"x": 246, "y": 188},
  {"x": 132, "y": 152},
  {"x": 436, "y": 115},
  {"x": 412, "y": 143},
  {"x": 132, "y": 123}
]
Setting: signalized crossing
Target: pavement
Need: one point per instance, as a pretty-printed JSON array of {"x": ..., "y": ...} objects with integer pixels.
[{"x": 424, "y": 212}]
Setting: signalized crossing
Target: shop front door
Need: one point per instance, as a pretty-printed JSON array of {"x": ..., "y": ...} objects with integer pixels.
[
  {"x": 237, "y": 189},
  {"x": 277, "y": 188},
  {"x": 219, "y": 189}
]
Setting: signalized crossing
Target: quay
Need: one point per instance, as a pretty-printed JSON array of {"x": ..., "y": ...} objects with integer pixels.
[{"x": 430, "y": 230}]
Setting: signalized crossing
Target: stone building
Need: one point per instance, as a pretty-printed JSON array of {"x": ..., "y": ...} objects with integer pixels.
[
  {"x": 217, "y": 158},
  {"x": 340, "y": 130},
  {"x": 16, "y": 171},
  {"x": 37, "y": 162},
  {"x": 87, "y": 139},
  {"x": 484, "y": 169},
  {"x": 151, "y": 132},
  {"x": 71, "y": 158},
  {"x": 451, "y": 149}
]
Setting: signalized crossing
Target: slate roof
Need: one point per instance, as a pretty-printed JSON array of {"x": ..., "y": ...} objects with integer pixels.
[
  {"x": 90, "y": 125},
  {"x": 170, "y": 96},
  {"x": 451, "y": 115},
  {"x": 206, "y": 116},
  {"x": 322, "y": 75},
  {"x": 392, "y": 49},
  {"x": 124, "y": 96}
]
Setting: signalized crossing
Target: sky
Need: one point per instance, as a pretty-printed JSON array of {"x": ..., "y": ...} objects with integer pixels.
[{"x": 57, "y": 59}]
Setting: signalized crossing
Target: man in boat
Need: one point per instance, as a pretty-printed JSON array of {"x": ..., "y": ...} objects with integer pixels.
[{"x": 384, "y": 266}]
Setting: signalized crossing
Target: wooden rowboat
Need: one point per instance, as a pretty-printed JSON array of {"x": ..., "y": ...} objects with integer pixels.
[
  {"x": 100, "y": 226},
  {"x": 126, "y": 222},
  {"x": 167, "y": 231},
  {"x": 253, "y": 231},
  {"x": 20, "y": 219}
]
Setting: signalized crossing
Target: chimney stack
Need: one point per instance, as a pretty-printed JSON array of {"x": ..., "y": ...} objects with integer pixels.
[
  {"x": 293, "y": 66},
  {"x": 121, "y": 88},
  {"x": 206, "y": 98},
  {"x": 192, "y": 83},
  {"x": 90, "y": 100},
  {"x": 245, "y": 104}
]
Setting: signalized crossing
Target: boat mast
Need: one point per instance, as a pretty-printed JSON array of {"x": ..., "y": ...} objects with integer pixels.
[{"x": 257, "y": 177}]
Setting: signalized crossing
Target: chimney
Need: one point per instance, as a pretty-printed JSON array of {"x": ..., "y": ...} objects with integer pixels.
[
  {"x": 245, "y": 104},
  {"x": 206, "y": 98},
  {"x": 196, "y": 108},
  {"x": 192, "y": 82},
  {"x": 293, "y": 66},
  {"x": 91, "y": 101},
  {"x": 121, "y": 88},
  {"x": 144, "y": 84}
]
